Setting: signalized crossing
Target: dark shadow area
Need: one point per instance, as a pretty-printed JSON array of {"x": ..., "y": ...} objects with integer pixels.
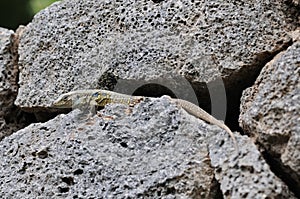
[
  {"x": 281, "y": 171},
  {"x": 43, "y": 116},
  {"x": 18, "y": 116},
  {"x": 216, "y": 192},
  {"x": 242, "y": 79},
  {"x": 15, "y": 120},
  {"x": 153, "y": 90},
  {"x": 157, "y": 1},
  {"x": 14, "y": 13}
]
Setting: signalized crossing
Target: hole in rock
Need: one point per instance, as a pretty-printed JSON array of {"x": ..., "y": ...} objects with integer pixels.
[
  {"x": 78, "y": 172},
  {"x": 68, "y": 180},
  {"x": 153, "y": 90}
]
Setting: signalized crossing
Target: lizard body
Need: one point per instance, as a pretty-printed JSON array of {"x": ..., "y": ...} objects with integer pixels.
[
  {"x": 100, "y": 98},
  {"x": 93, "y": 97}
]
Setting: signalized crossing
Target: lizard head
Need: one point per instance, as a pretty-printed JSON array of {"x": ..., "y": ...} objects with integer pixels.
[
  {"x": 75, "y": 99},
  {"x": 64, "y": 101}
]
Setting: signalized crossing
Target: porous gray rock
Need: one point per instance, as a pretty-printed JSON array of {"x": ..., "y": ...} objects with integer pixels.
[
  {"x": 153, "y": 150},
  {"x": 270, "y": 111},
  {"x": 8, "y": 82},
  {"x": 246, "y": 175},
  {"x": 8, "y": 70},
  {"x": 150, "y": 151},
  {"x": 88, "y": 44}
]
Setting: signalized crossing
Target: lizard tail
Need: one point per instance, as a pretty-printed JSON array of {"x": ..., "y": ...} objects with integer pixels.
[{"x": 200, "y": 113}]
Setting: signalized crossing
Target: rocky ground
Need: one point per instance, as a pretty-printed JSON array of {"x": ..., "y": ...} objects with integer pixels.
[{"x": 238, "y": 60}]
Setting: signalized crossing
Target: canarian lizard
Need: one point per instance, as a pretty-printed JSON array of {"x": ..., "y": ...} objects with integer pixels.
[{"x": 102, "y": 97}]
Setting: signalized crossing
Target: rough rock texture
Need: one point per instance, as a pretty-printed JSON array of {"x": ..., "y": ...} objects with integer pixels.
[
  {"x": 7, "y": 73},
  {"x": 151, "y": 151},
  {"x": 88, "y": 44},
  {"x": 246, "y": 175},
  {"x": 139, "y": 153},
  {"x": 270, "y": 110},
  {"x": 8, "y": 83}
]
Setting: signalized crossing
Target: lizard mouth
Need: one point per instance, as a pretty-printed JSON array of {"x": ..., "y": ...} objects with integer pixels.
[{"x": 61, "y": 104}]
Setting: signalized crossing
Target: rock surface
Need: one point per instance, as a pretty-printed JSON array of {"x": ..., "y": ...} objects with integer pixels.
[
  {"x": 6, "y": 68},
  {"x": 151, "y": 151},
  {"x": 8, "y": 72},
  {"x": 144, "y": 152},
  {"x": 9, "y": 118},
  {"x": 246, "y": 175},
  {"x": 271, "y": 107},
  {"x": 88, "y": 44}
]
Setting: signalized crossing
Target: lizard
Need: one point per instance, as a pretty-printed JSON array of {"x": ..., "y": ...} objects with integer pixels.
[{"x": 99, "y": 98}]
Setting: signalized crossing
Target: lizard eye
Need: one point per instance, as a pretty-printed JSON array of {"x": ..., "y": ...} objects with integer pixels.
[
  {"x": 95, "y": 94},
  {"x": 65, "y": 98}
]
